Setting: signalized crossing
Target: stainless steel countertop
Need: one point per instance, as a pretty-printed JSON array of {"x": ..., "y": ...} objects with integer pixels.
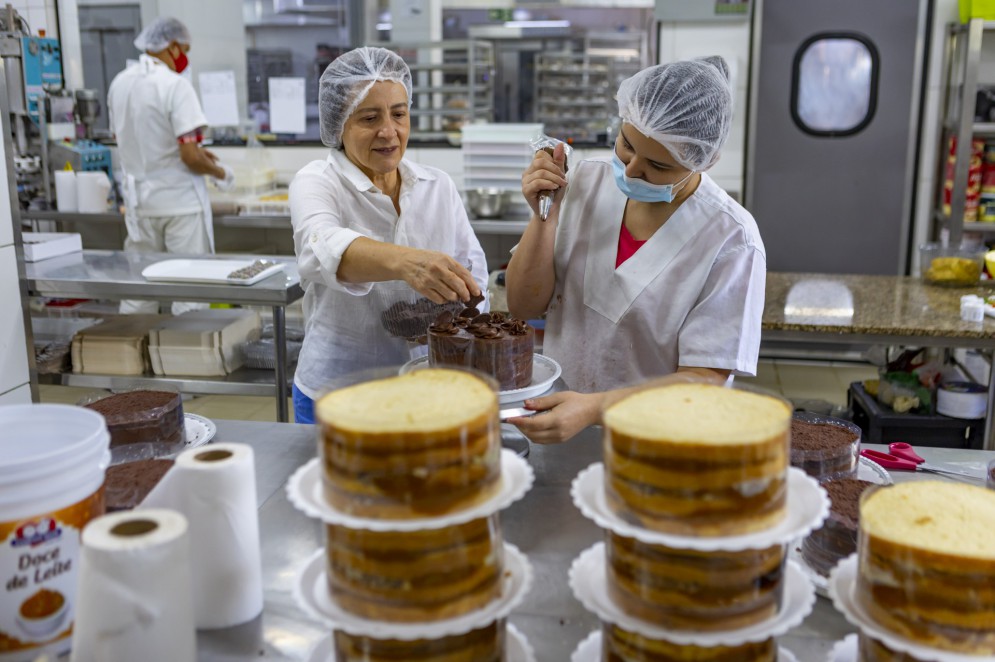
[
  {"x": 545, "y": 525},
  {"x": 117, "y": 274}
]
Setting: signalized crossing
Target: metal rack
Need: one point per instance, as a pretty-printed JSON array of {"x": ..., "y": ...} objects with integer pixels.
[
  {"x": 118, "y": 275},
  {"x": 574, "y": 94},
  {"x": 964, "y": 42},
  {"x": 452, "y": 85}
]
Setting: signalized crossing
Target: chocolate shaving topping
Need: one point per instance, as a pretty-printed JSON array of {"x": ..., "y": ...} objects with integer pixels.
[
  {"x": 485, "y": 331},
  {"x": 481, "y": 319},
  {"x": 469, "y": 312},
  {"x": 497, "y": 318},
  {"x": 475, "y": 300},
  {"x": 444, "y": 324},
  {"x": 515, "y": 327}
]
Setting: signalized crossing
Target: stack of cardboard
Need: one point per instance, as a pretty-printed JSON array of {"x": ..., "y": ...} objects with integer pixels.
[
  {"x": 115, "y": 347},
  {"x": 203, "y": 343}
]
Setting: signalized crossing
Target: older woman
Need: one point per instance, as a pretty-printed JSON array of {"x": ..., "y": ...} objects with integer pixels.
[
  {"x": 365, "y": 216},
  {"x": 645, "y": 267}
]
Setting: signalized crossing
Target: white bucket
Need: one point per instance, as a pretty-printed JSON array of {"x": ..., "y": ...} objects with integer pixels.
[
  {"x": 65, "y": 190},
  {"x": 91, "y": 191},
  {"x": 52, "y": 462}
]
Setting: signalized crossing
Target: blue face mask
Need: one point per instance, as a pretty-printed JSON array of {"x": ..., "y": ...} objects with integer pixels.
[{"x": 640, "y": 189}]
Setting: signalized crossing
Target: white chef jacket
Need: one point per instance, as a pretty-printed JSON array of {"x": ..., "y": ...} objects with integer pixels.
[
  {"x": 332, "y": 203},
  {"x": 692, "y": 295},
  {"x": 149, "y": 107}
]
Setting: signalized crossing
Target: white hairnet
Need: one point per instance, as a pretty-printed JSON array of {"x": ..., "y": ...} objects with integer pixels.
[
  {"x": 348, "y": 80},
  {"x": 685, "y": 106},
  {"x": 160, "y": 33}
]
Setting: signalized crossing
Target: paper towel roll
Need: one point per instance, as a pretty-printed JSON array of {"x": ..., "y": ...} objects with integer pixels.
[
  {"x": 134, "y": 590},
  {"x": 215, "y": 488},
  {"x": 65, "y": 190},
  {"x": 91, "y": 191}
]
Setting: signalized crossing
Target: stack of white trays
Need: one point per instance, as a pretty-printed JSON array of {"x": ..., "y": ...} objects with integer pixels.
[
  {"x": 496, "y": 155},
  {"x": 808, "y": 506}
]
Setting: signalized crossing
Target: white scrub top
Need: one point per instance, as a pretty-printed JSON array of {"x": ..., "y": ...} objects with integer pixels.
[
  {"x": 692, "y": 295},
  {"x": 149, "y": 107},
  {"x": 332, "y": 203}
]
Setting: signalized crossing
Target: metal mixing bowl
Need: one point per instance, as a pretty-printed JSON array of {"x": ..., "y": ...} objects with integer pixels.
[{"x": 487, "y": 202}]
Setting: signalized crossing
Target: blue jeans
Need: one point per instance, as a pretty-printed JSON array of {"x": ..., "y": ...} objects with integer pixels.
[{"x": 303, "y": 407}]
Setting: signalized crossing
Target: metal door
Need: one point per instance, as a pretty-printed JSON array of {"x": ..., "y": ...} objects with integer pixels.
[
  {"x": 106, "y": 34},
  {"x": 834, "y": 125}
]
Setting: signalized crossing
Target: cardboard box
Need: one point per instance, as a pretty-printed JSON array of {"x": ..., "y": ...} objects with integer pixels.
[
  {"x": 43, "y": 245},
  {"x": 203, "y": 343}
]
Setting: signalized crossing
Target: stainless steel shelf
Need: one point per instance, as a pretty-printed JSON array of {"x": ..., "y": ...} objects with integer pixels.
[
  {"x": 984, "y": 129},
  {"x": 245, "y": 381},
  {"x": 417, "y": 112},
  {"x": 979, "y": 227}
]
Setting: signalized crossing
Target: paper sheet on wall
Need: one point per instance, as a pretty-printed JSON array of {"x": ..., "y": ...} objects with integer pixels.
[
  {"x": 217, "y": 95},
  {"x": 287, "y": 112}
]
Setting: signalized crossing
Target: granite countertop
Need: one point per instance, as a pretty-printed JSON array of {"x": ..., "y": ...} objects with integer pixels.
[{"x": 873, "y": 305}]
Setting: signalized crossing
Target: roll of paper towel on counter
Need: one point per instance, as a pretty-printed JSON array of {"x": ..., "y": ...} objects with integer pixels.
[
  {"x": 215, "y": 488},
  {"x": 134, "y": 600},
  {"x": 65, "y": 190},
  {"x": 91, "y": 191}
]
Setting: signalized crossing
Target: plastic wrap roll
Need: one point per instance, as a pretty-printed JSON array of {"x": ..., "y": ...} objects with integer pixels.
[
  {"x": 414, "y": 576},
  {"x": 215, "y": 488},
  {"x": 926, "y": 563},
  {"x": 697, "y": 459},
  {"x": 134, "y": 599},
  {"x": 683, "y": 589},
  {"x": 420, "y": 445},
  {"x": 65, "y": 190}
]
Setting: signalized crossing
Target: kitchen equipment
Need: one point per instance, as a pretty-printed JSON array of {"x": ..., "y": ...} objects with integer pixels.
[
  {"x": 487, "y": 202},
  {"x": 902, "y": 457},
  {"x": 91, "y": 191},
  {"x": 962, "y": 399},
  {"x": 949, "y": 266}
]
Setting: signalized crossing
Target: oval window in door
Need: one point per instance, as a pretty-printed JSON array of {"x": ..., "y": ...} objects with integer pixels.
[{"x": 834, "y": 84}]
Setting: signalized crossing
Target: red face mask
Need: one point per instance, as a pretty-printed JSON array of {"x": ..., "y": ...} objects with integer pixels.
[{"x": 180, "y": 61}]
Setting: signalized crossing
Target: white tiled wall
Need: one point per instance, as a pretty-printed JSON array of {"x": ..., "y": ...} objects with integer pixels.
[{"x": 40, "y": 14}]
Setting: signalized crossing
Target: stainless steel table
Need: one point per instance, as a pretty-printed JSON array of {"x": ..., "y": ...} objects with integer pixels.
[
  {"x": 118, "y": 275},
  {"x": 545, "y": 525}
]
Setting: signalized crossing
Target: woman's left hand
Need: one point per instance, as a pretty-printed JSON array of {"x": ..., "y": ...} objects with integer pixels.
[{"x": 561, "y": 416}]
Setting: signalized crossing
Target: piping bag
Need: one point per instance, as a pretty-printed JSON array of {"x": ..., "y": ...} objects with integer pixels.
[{"x": 546, "y": 144}]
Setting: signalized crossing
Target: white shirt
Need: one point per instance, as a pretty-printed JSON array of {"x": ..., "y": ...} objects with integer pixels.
[
  {"x": 332, "y": 203},
  {"x": 692, "y": 295},
  {"x": 150, "y": 106}
]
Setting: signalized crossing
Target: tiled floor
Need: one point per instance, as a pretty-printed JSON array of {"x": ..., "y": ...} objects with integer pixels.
[{"x": 797, "y": 381}]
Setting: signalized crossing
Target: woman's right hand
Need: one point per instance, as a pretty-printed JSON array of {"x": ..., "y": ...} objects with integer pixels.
[
  {"x": 545, "y": 173},
  {"x": 438, "y": 277}
]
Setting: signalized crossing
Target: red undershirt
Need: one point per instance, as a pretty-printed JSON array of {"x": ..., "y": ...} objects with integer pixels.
[{"x": 627, "y": 246}]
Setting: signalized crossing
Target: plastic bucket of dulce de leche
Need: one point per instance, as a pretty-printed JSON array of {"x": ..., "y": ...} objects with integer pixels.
[{"x": 52, "y": 462}]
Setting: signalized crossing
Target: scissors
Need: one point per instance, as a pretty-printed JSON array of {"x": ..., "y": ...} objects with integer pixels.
[{"x": 902, "y": 457}]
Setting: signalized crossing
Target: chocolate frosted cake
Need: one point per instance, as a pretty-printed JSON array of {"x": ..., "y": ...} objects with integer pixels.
[
  {"x": 411, "y": 319},
  {"x": 825, "y": 448},
  {"x": 837, "y": 539},
  {"x": 496, "y": 345},
  {"x": 142, "y": 417},
  {"x": 126, "y": 485}
]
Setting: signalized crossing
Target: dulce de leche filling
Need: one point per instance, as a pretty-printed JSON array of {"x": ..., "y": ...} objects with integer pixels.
[
  {"x": 486, "y": 644},
  {"x": 691, "y": 590},
  {"x": 42, "y": 604},
  {"x": 619, "y": 645},
  {"x": 418, "y": 575}
]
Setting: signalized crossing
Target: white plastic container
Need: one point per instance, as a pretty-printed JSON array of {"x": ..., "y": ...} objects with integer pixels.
[{"x": 52, "y": 462}]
